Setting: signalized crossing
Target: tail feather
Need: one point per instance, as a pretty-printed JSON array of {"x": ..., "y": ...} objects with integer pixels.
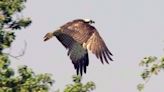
[{"x": 81, "y": 64}]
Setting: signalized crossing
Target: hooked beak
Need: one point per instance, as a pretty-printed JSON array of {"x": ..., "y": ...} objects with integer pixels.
[
  {"x": 48, "y": 36},
  {"x": 92, "y": 21}
]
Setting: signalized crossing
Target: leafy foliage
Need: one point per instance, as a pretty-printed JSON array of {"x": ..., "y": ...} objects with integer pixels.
[
  {"x": 25, "y": 80},
  {"x": 77, "y": 86},
  {"x": 9, "y": 8},
  {"x": 152, "y": 66}
]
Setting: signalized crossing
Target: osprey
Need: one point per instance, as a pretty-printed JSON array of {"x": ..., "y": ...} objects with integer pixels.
[{"x": 79, "y": 37}]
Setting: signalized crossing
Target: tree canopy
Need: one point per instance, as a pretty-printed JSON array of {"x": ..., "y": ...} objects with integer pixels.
[
  {"x": 25, "y": 80},
  {"x": 77, "y": 86},
  {"x": 151, "y": 66}
]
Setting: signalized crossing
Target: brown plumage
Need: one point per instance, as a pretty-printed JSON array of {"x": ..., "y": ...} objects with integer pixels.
[{"x": 78, "y": 36}]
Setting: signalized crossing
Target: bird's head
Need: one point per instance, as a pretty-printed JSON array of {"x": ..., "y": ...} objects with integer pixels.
[
  {"x": 89, "y": 21},
  {"x": 48, "y": 36}
]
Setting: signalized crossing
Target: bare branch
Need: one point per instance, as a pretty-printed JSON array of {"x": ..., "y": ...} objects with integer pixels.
[{"x": 21, "y": 54}]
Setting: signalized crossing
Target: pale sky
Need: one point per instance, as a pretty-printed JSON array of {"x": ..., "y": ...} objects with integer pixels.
[{"x": 131, "y": 29}]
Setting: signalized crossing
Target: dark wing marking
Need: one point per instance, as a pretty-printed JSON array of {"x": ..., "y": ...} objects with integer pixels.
[
  {"x": 66, "y": 40},
  {"x": 97, "y": 46},
  {"x": 77, "y": 53}
]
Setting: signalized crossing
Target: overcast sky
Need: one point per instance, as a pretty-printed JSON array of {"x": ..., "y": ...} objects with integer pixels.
[{"x": 131, "y": 29}]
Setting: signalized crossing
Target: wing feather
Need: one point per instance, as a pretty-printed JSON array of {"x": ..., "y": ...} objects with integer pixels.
[
  {"x": 98, "y": 47},
  {"x": 104, "y": 55}
]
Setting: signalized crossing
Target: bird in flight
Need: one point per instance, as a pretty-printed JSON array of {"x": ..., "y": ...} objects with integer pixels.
[{"x": 79, "y": 37}]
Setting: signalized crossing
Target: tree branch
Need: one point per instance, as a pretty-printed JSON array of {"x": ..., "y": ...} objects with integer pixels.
[{"x": 21, "y": 54}]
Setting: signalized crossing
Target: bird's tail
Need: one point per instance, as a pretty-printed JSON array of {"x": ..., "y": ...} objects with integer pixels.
[
  {"x": 81, "y": 65},
  {"x": 79, "y": 57}
]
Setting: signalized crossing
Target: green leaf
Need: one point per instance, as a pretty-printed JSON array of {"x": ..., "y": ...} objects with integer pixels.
[
  {"x": 145, "y": 74},
  {"x": 140, "y": 87}
]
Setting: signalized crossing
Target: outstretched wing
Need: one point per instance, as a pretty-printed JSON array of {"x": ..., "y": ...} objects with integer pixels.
[
  {"x": 88, "y": 36},
  {"x": 77, "y": 53},
  {"x": 98, "y": 47}
]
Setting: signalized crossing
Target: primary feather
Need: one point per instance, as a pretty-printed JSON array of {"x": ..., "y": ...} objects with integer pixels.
[{"x": 78, "y": 36}]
